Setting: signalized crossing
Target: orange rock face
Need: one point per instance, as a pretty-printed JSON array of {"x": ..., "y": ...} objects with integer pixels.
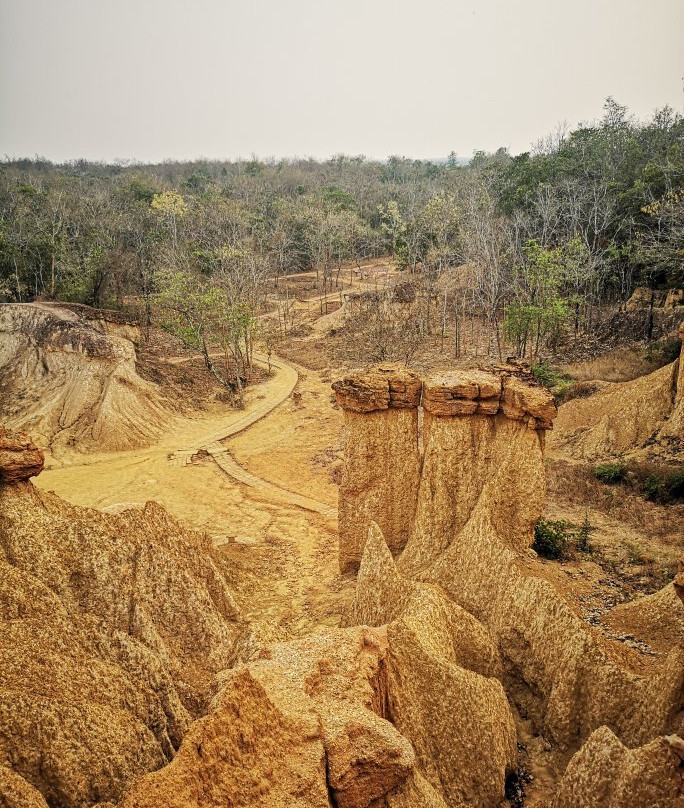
[
  {"x": 300, "y": 726},
  {"x": 116, "y": 627},
  {"x": 462, "y": 393},
  {"x": 20, "y": 458},
  {"x": 382, "y": 468},
  {"x": 464, "y": 612},
  {"x": 385, "y": 480},
  {"x": 378, "y": 389}
]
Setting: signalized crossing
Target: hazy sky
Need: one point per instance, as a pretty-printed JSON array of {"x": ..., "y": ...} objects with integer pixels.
[{"x": 154, "y": 79}]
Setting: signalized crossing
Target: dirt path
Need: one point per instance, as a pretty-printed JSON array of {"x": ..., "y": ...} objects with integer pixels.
[
  {"x": 281, "y": 543},
  {"x": 261, "y": 482},
  {"x": 285, "y": 381}
]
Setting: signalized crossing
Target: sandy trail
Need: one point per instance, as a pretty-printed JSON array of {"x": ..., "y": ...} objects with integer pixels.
[
  {"x": 283, "y": 542},
  {"x": 260, "y": 481}
]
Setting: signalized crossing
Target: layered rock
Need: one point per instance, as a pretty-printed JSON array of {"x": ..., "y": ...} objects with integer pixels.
[
  {"x": 462, "y": 393},
  {"x": 645, "y": 415},
  {"x": 70, "y": 379},
  {"x": 20, "y": 458},
  {"x": 380, "y": 476},
  {"x": 649, "y": 314},
  {"x": 383, "y": 479},
  {"x": 558, "y": 671},
  {"x": 493, "y": 457},
  {"x": 383, "y": 595},
  {"x": 606, "y": 774},
  {"x": 117, "y": 625},
  {"x": 301, "y": 726},
  {"x": 481, "y": 491}
]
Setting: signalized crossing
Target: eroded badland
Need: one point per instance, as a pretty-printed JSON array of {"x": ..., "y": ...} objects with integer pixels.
[{"x": 328, "y": 597}]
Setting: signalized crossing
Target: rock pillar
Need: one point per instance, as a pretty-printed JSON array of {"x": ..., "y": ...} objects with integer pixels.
[
  {"x": 381, "y": 459},
  {"x": 483, "y": 437}
]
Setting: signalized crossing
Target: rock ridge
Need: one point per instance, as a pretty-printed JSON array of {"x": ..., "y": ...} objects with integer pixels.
[{"x": 449, "y": 393}]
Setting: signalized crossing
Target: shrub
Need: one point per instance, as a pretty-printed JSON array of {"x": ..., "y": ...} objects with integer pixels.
[
  {"x": 636, "y": 554},
  {"x": 556, "y": 381},
  {"x": 612, "y": 472},
  {"x": 658, "y": 482},
  {"x": 551, "y": 538},
  {"x": 663, "y": 352},
  {"x": 580, "y": 390},
  {"x": 583, "y": 535},
  {"x": 664, "y": 488}
]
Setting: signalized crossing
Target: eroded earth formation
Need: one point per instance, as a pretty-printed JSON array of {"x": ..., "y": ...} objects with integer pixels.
[
  {"x": 68, "y": 376},
  {"x": 130, "y": 678}
]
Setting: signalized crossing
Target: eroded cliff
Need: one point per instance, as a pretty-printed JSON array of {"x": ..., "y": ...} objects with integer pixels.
[
  {"x": 70, "y": 379},
  {"x": 480, "y": 492},
  {"x": 113, "y": 629},
  {"x": 643, "y": 417}
]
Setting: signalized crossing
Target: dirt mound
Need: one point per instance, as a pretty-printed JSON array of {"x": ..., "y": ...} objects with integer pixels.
[
  {"x": 644, "y": 414},
  {"x": 68, "y": 377},
  {"x": 117, "y": 625}
]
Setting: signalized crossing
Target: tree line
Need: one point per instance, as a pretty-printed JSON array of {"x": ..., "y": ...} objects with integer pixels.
[{"x": 530, "y": 243}]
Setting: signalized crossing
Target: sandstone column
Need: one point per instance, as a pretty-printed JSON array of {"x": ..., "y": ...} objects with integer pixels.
[
  {"x": 483, "y": 443},
  {"x": 381, "y": 459}
]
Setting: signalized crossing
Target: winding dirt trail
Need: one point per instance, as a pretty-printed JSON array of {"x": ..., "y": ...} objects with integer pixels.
[
  {"x": 263, "y": 497},
  {"x": 286, "y": 378},
  {"x": 261, "y": 482}
]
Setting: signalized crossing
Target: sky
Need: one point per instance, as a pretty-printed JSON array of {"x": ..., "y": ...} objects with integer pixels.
[{"x": 181, "y": 79}]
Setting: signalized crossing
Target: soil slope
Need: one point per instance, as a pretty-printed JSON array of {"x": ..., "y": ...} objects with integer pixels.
[{"x": 70, "y": 380}]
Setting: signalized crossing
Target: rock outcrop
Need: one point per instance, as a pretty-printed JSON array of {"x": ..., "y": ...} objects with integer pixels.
[
  {"x": 70, "y": 380},
  {"x": 383, "y": 480},
  {"x": 442, "y": 693},
  {"x": 380, "y": 476},
  {"x": 300, "y": 726},
  {"x": 20, "y": 458},
  {"x": 117, "y": 627},
  {"x": 481, "y": 490},
  {"x": 606, "y": 774}
]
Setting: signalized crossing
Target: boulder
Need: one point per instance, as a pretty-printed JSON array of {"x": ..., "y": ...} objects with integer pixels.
[
  {"x": 378, "y": 389},
  {"x": 20, "y": 458}
]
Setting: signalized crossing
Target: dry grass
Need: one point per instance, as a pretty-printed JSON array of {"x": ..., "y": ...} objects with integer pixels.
[
  {"x": 625, "y": 363},
  {"x": 310, "y": 354},
  {"x": 618, "y": 365},
  {"x": 575, "y": 487}
]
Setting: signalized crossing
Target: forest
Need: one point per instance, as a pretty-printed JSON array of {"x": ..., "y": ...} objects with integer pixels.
[{"x": 531, "y": 244}]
